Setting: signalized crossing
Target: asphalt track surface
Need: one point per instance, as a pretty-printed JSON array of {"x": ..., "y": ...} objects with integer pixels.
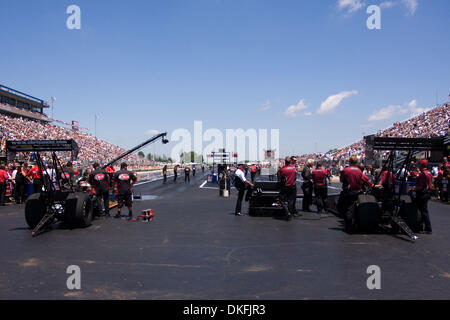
[{"x": 197, "y": 249}]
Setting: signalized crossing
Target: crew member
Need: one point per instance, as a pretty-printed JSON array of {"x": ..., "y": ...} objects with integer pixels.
[
  {"x": 35, "y": 174},
  {"x": 68, "y": 176},
  {"x": 307, "y": 185},
  {"x": 423, "y": 188},
  {"x": 21, "y": 184},
  {"x": 319, "y": 177},
  {"x": 288, "y": 178},
  {"x": 352, "y": 180},
  {"x": 413, "y": 174},
  {"x": 164, "y": 171},
  {"x": 386, "y": 183},
  {"x": 241, "y": 184},
  {"x": 175, "y": 173},
  {"x": 3, "y": 179},
  {"x": 110, "y": 171},
  {"x": 124, "y": 180},
  {"x": 187, "y": 173},
  {"x": 446, "y": 162},
  {"x": 99, "y": 179},
  {"x": 253, "y": 170}
]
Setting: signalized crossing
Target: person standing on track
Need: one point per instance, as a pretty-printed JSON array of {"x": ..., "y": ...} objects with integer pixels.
[
  {"x": 3, "y": 180},
  {"x": 241, "y": 184},
  {"x": 21, "y": 184},
  {"x": 287, "y": 176},
  {"x": 164, "y": 171},
  {"x": 175, "y": 173},
  {"x": 307, "y": 185},
  {"x": 99, "y": 179},
  {"x": 319, "y": 177},
  {"x": 35, "y": 174},
  {"x": 423, "y": 188},
  {"x": 253, "y": 170},
  {"x": 352, "y": 180},
  {"x": 125, "y": 180},
  {"x": 187, "y": 173}
]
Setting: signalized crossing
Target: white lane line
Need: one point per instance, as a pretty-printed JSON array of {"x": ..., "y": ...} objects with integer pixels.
[{"x": 203, "y": 184}]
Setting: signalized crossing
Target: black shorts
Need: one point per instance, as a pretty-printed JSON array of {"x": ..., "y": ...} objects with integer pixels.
[{"x": 124, "y": 199}]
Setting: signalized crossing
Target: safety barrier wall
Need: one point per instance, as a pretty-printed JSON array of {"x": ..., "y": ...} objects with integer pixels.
[{"x": 149, "y": 176}]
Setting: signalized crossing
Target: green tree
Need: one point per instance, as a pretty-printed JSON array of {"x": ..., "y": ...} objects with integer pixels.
[
  {"x": 190, "y": 157},
  {"x": 141, "y": 154}
]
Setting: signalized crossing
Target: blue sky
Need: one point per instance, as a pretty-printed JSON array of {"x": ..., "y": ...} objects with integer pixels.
[{"x": 160, "y": 65}]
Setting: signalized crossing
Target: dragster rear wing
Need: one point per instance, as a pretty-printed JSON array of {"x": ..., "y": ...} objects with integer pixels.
[{"x": 12, "y": 147}]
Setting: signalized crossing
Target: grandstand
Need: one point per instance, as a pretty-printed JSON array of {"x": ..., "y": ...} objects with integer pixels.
[
  {"x": 22, "y": 117},
  {"x": 432, "y": 123},
  {"x": 18, "y": 104}
]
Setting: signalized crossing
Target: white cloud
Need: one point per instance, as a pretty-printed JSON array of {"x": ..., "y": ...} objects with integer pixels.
[
  {"x": 332, "y": 102},
  {"x": 350, "y": 5},
  {"x": 292, "y": 110},
  {"x": 391, "y": 111},
  {"x": 411, "y": 6},
  {"x": 308, "y": 114},
  {"x": 265, "y": 106},
  {"x": 152, "y": 132},
  {"x": 387, "y": 4},
  {"x": 412, "y": 107},
  {"x": 385, "y": 113}
]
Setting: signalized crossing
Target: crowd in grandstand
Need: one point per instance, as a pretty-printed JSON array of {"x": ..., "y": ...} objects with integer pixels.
[
  {"x": 433, "y": 123},
  {"x": 91, "y": 148}
]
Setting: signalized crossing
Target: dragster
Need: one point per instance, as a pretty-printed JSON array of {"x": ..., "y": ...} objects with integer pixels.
[{"x": 60, "y": 200}]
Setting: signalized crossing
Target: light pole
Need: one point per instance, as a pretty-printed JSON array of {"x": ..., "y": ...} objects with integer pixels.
[
  {"x": 95, "y": 132},
  {"x": 53, "y": 101},
  {"x": 95, "y": 125}
]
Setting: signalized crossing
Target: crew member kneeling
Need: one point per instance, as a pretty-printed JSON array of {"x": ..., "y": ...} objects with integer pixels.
[
  {"x": 288, "y": 178},
  {"x": 124, "y": 180},
  {"x": 352, "y": 180}
]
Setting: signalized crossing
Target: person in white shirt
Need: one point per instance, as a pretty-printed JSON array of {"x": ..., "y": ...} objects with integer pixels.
[{"x": 241, "y": 184}]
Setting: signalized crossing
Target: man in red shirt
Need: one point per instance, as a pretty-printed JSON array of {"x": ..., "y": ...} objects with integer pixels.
[
  {"x": 386, "y": 183},
  {"x": 423, "y": 188},
  {"x": 35, "y": 174},
  {"x": 352, "y": 180},
  {"x": 3, "y": 179},
  {"x": 253, "y": 170},
  {"x": 319, "y": 176},
  {"x": 288, "y": 177},
  {"x": 446, "y": 162}
]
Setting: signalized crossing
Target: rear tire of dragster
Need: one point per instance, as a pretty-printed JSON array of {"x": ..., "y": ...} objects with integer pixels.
[
  {"x": 350, "y": 223},
  {"x": 368, "y": 213},
  {"x": 79, "y": 210},
  {"x": 35, "y": 210},
  {"x": 411, "y": 215}
]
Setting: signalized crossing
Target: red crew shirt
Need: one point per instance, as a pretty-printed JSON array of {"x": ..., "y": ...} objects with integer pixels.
[
  {"x": 34, "y": 172},
  {"x": 353, "y": 179},
  {"x": 387, "y": 177},
  {"x": 319, "y": 177},
  {"x": 3, "y": 176},
  {"x": 424, "y": 181},
  {"x": 290, "y": 173}
]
